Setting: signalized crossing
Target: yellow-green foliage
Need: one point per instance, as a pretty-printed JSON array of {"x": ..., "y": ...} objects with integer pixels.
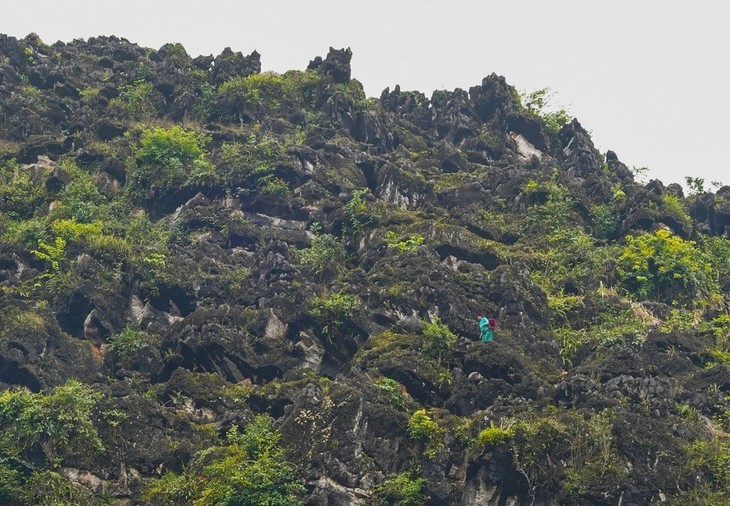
[
  {"x": 249, "y": 469},
  {"x": 73, "y": 231},
  {"x": 20, "y": 196},
  {"x": 168, "y": 159},
  {"x": 438, "y": 337},
  {"x": 137, "y": 100},
  {"x": 408, "y": 243},
  {"x": 665, "y": 267},
  {"x": 54, "y": 253},
  {"x": 169, "y": 146},
  {"x": 493, "y": 436},
  {"x": 39, "y": 431},
  {"x": 325, "y": 254},
  {"x": 421, "y": 426},
  {"x": 334, "y": 309},
  {"x": 402, "y": 489},
  {"x": 674, "y": 206},
  {"x": 538, "y": 103}
]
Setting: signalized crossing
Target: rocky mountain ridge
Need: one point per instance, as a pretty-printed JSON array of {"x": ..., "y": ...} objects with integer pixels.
[{"x": 249, "y": 288}]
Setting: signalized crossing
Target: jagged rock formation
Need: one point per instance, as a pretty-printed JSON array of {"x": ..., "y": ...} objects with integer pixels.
[{"x": 199, "y": 243}]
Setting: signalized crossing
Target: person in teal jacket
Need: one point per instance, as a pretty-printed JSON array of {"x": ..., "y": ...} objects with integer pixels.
[{"x": 486, "y": 327}]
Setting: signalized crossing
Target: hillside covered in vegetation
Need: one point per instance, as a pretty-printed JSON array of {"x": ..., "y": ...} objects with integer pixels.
[{"x": 222, "y": 286}]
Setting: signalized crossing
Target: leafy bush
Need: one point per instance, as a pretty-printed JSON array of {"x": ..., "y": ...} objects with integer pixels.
[
  {"x": 355, "y": 212},
  {"x": 325, "y": 254},
  {"x": 170, "y": 146},
  {"x": 493, "y": 436},
  {"x": 80, "y": 200},
  {"x": 39, "y": 431},
  {"x": 401, "y": 490},
  {"x": 438, "y": 337},
  {"x": 552, "y": 215},
  {"x": 334, "y": 309},
  {"x": 20, "y": 196},
  {"x": 538, "y": 103},
  {"x": 274, "y": 187},
  {"x": 410, "y": 243},
  {"x": 605, "y": 221},
  {"x": 249, "y": 470},
  {"x": 165, "y": 161},
  {"x": 421, "y": 426},
  {"x": 667, "y": 268},
  {"x": 138, "y": 100},
  {"x": 54, "y": 253},
  {"x": 392, "y": 389},
  {"x": 674, "y": 207},
  {"x": 127, "y": 344}
]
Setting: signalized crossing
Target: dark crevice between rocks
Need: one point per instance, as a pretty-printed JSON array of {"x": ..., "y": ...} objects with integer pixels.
[
  {"x": 277, "y": 209},
  {"x": 241, "y": 240},
  {"x": 276, "y": 408},
  {"x": 11, "y": 373},
  {"x": 422, "y": 390},
  {"x": 214, "y": 359},
  {"x": 72, "y": 317},
  {"x": 449, "y": 167},
  {"x": 340, "y": 348},
  {"x": 371, "y": 179},
  {"x": 182, "y": 300},
  {"x": 488, "y": 260}
]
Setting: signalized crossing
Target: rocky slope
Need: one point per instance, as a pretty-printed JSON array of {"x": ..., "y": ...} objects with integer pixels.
[{"x": 187, "y": 244}]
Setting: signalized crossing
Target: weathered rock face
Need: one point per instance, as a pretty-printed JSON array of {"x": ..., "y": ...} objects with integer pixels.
[{"x": 302, "y": 251}]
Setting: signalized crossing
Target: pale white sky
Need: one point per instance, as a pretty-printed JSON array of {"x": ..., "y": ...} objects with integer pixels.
[{"x": 649, "y": 78}]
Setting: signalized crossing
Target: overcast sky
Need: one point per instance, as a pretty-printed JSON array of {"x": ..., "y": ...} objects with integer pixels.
[{"x": 648, "y": 78}]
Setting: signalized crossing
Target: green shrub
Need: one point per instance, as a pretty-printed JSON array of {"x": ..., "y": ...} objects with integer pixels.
[
  {"x": 249, "y": 470},
  {"x": 538, "y": 103},
  {"x": 438, "y": 337},
  {"x": 674, "y": 207},
  {"x": 421, "y": 426},
  {"x": 665, "y": 267},
  {"x": 138, "y": 100},
  {"x": 493, "y": 436},
  {"x": 54, "y": 254},
  {"x": 81, "y": 201},
  {"x": 392, "y": 389},
  {"x": 401, "y": 490},
  {"x": 408, "y": 244},
  {"x": 245, "y": 99},
  {"x": 203, "y": 173},
  {"x": 274, "y": 187},
  {"x": 605, "y": 221},
  {"x": 555, "y": 214},
  {"x": 165, "y": 160},
  {"x": 55, "y": 426},
  {"x": 325, "y": 254},
  {"x": 164, "y": 146},
  {"x": 20, "y": 196},
  {"x": 334, "y": 309},
  {"x": 355, "y": 210},
  {"x": 127, "y": 344}
]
